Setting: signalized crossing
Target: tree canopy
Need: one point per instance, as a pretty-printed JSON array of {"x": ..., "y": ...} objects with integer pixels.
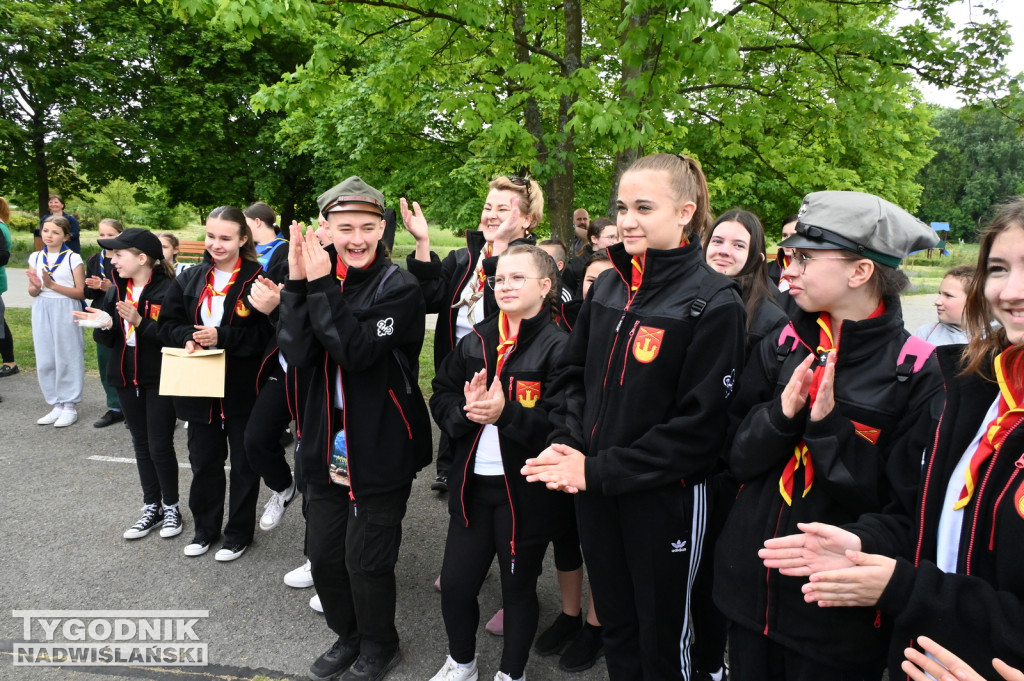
[{"x": 775, "y": 97}]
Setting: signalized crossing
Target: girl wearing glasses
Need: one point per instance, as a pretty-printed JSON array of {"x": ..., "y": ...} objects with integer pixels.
[
  {"x": 454, "y": 288},
  {"x": 492, "y": 397},
  {"x": 947, "y": 566},
  {"x": 834, "y": 412},
  {"x": 649, "y": 371}
]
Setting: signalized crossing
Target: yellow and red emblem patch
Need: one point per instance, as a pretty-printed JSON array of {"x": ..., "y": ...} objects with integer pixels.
[
  {"x": 1018, "y": 500},
  {"x": 154, "y": 312},
  {"x": 867, "y": 432},
  {"x": 527, "y": 393},
  {"x": 241, "y": 310},
  {"x": 648, "y": 343}
]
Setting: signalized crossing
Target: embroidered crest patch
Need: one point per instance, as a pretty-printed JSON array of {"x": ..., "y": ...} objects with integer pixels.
[
  {"x": 648, "y": 343},
  {"x": 527, "y": 393}
]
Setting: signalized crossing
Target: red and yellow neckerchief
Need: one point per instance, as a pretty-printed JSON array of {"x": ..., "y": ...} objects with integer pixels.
[
  {"x": 341, "y": 269},
  {"x": 480, "y": 276},
  {"x": 505, "y": 342},
  {"x": 1009, "y": 413},
  {"x": 128, "y": 298},
  {"x": 636, "y": 272},
  {"x": 209, "y": 292},
  {"x": 828, "y": 341}
]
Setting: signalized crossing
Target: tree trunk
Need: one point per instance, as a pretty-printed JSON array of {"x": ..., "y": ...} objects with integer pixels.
[
  {"x": 562, "y": 187},
  {"x": 38, "y": 133}
]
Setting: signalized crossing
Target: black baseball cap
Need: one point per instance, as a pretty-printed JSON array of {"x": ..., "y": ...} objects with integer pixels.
[{"x": 136, "y": 237}]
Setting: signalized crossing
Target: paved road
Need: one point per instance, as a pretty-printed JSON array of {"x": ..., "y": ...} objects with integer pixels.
[{"x": 61, "y": 519}]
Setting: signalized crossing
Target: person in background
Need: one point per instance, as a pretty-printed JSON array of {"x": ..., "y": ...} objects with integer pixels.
[
  {"x": 601, "y": 234},
  {"x": 172, "y": 247},
  {"x": 950, "y": 305},
  {"x": 99, "y": 277},
  {"x": 56, "y": 205},
  {"x": 784, "y": 255},
  {"x": 556, "y": 249},
  {"x": 580, "y": 225},
  {"x": 10, "y": 367},
  {"x": 56, "y": 279}
]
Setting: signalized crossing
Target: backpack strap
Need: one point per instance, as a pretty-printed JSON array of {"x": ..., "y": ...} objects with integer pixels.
[
  {"x": 913, "y": 355},
  {"x": 403, "y": 363},
  {"x": 788, "y": 341},
  {"x": 710, "y": 286}
]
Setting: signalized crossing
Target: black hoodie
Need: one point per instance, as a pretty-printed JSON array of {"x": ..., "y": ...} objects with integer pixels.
[{"x": 867, "y": 450}]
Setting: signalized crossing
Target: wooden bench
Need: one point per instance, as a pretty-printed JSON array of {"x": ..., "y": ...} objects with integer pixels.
[{"x": 191, "y": 251}]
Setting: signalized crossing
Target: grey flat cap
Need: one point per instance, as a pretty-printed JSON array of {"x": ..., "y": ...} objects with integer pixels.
[
  {"x": 861, "y": 223},
  {"x": 352, "y": 195}
]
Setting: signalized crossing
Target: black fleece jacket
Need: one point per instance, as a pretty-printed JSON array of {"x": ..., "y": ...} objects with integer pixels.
[
  {"x": 852, "y": 475},
  {"x": 145, "y": 368},
  {"x": 646, "y": 382},
  {"x": 324, "y": 327},
  {"x": 442, "y": 281},
  {"x": 978, "y": 612},
  {"x": 528, "y": 379},
  {"x": 243, "y": 334}
]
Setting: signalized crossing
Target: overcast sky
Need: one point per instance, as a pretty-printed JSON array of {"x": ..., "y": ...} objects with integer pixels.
[{"x": 1009, "y": 10}]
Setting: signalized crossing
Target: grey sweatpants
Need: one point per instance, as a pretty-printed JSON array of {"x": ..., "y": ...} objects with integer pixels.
[{"x": 60, "y": 349}]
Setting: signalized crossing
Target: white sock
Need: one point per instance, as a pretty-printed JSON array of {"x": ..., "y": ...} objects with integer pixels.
[
  {"x": 717, "y": 676},
  {"x": 465, "y": 665}
]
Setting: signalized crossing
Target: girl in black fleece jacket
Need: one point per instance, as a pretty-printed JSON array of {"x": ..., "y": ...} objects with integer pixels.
[
  {"x": 948, "y": 566},
  {"x": 492, "y": 397},
  {"x": 127, "y": 325},
  {"x": 826, "y": 441},
  {"x": 650, "y": 367}
]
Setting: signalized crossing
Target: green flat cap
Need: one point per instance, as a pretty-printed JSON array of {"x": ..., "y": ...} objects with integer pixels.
[
  {"x": 352, "y": 195},
  {"x": 861, "y": 223}
]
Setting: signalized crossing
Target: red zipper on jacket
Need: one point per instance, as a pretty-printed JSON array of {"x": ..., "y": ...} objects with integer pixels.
[
  {"x": 512, "y": 510},
  {"x": 1019, "y": 464},
  {"x": 124, "y": 346},
  {"x": 927, "y": 484},
  {"x": 263, "y": 364},
  {"x": 977, "y": 502},
  {"x": 625, "y": 355},
  {"x": 604, "y": 382},
  {"x": 400, "y": 412},
  {"x": 476, "y": 440}
]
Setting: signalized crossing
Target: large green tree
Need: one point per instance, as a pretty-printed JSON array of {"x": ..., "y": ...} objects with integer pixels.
[
  {"x": 776, "y": 97},
  {"x": 978, "y": 164}
]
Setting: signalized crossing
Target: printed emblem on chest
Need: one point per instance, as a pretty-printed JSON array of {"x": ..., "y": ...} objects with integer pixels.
[{"x": 647, "y": 343}]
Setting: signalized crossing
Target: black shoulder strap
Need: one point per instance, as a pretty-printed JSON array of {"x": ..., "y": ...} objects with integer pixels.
[
  {"x": 711, "y": 285},
  {"x": 403, "y": 362}
]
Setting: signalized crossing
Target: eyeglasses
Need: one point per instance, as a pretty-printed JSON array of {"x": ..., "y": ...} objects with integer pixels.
[
  {"x": 520, "y": 182},
  {"x": 801, "y": 260},
  {"x": 513, "y": 281}
]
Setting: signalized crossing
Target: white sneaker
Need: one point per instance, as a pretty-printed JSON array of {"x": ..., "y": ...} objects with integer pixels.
[
  {"x": 502, "y": 676},
  {"x": 314, "y": 603},
  {"x": 52, "y": 417},
  {"x": 68, "y": 415},
  {"x": 274, "y": 510},
  {"x": 300, "y": 577},
  {"x": 451, "y": 671}
]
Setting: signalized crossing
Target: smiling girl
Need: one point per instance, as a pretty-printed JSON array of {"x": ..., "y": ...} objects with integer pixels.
[
  {"x": 833, "y": 415},
  {"x": 661, "y": 339},
  {"x": 127, "y": 325},
  {"x": 56, "y": 279},
  {"x": 946, "y": 565},
  {"x": 492, "y": 396},
  {"x": 208, "y": 308},
  {"x": 454, "y": 288}
]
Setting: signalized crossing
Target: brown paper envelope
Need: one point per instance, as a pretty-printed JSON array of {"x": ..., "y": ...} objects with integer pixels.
[{"x": 200, "y": 374}]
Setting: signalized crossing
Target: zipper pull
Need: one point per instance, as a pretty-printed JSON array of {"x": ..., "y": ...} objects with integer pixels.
[
  {"x": 512, "y": 567},
  {"x": 878, "y": 619},
  {"x": 619, "y": 325},
  {"x": 352, "y": 496},
  {"x": 1019, "y": 463}
]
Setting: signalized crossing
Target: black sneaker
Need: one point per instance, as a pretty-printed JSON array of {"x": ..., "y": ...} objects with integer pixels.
[
  {"x": 336, "y": 660},
  {"x": 108, "y": 419},
  {"x": 583, "y": 652},
  {"x": 152, "y": 516},
  {"x": 6, "y": 370},
  {"x": 367, "y": 668},
  {"x": 561, "y": 632},
  {"x": 172, "y": 522},
  {"x": 440, "y": 484}
]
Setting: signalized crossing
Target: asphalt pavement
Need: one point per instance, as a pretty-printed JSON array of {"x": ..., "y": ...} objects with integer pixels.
[{"x": 69, "y": 494}]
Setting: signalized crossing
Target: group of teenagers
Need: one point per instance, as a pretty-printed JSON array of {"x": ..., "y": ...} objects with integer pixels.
[{"x": 772, "y": 465}]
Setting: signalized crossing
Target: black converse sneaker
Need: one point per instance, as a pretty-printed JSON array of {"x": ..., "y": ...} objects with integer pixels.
[
  {"x": 172, "y": 522},
  {"x": 152, "y": 515}
]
